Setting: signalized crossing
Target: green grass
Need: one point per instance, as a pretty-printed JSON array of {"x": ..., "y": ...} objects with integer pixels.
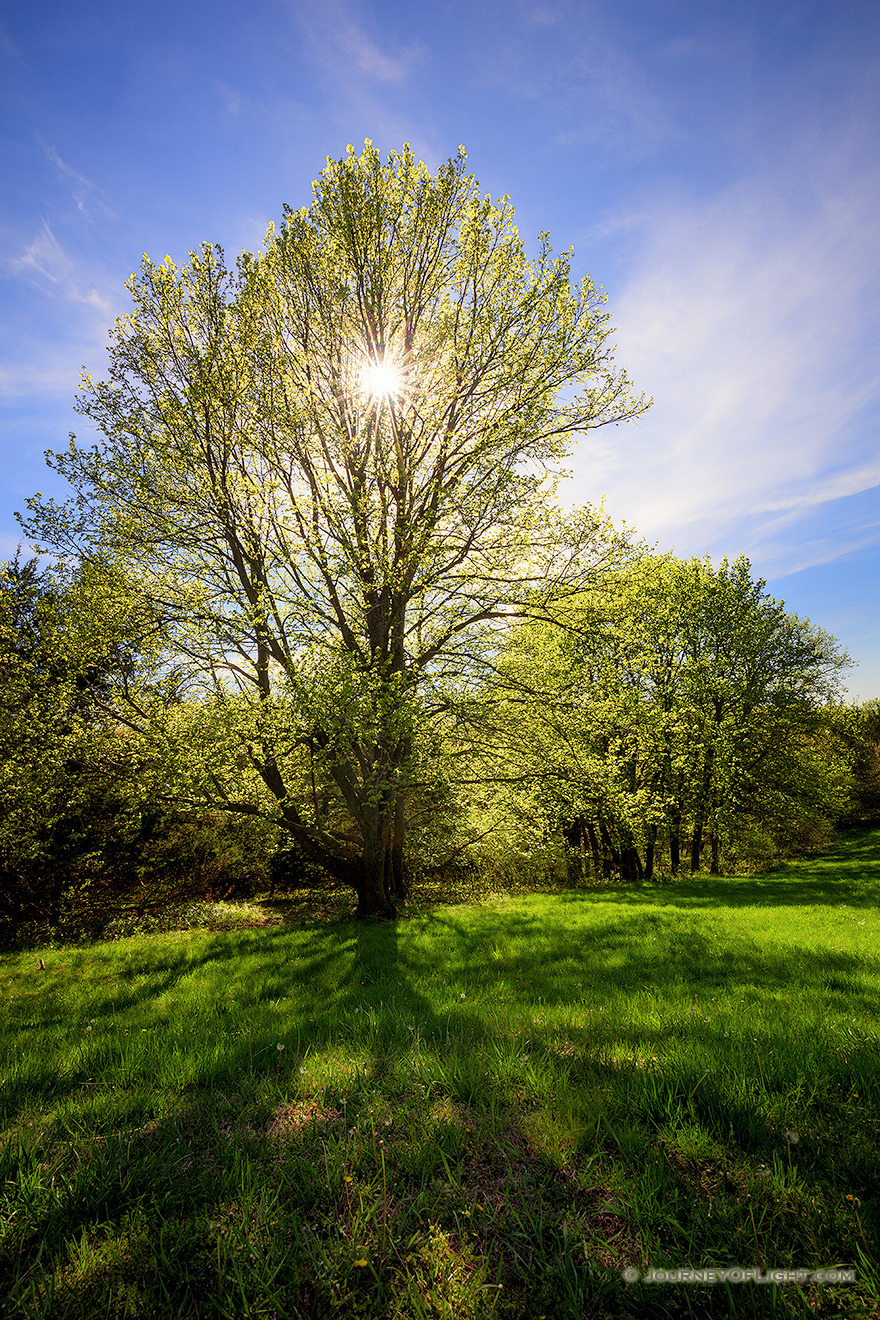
[{"x": 483, "y": 1110}]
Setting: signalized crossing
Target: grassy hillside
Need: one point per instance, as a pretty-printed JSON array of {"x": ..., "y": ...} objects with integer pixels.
[{"x": 482, "y": 1111}]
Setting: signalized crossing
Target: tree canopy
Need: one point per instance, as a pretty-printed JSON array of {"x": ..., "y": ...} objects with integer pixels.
[
  {"x": 330, "y": 470},
  {"x": 676, "y": 706}
]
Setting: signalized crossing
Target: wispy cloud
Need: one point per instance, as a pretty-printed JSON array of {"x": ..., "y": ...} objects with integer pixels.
[
  {"x": 90, "y": 199},
  {"x": 42, "y": 348},
  {"x": 53, "y": 373},
  {"x": 566, "y": 59},
  {"x": 46, "y": 263},
  {"x": 370, "y": 60},
  {"x": 9, "y": 48},
  {"x": 371, "y": 77},
  {"x": 609, "y": 100},
  {"x": 10, "y": 546},
  {"x": 834, "y": 486},
  {"x": 366, "y": 75},
  {"x": 753, "y": 323},
  {"x": 230, "y": 96},
  {"x": 343, "y": 45}
]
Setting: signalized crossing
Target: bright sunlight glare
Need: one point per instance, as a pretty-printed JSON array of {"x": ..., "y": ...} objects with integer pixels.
[{"x": 381, "y": 380}]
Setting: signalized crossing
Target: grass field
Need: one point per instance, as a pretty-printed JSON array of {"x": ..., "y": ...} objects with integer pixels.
[{"x": 482, "y": 1110}]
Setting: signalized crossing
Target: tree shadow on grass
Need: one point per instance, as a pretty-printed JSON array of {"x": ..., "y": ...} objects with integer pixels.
[
  {"x": 180, "y": 1161},
  {"x": 256, "y": 983},
  {"x": 847, "y": 873}
]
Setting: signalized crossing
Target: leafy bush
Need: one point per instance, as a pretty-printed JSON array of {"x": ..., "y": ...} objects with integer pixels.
[{"x": 184, "y": 916}]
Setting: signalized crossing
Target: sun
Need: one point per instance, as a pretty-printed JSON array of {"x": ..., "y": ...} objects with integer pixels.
[{"x": 381, "y": 380}]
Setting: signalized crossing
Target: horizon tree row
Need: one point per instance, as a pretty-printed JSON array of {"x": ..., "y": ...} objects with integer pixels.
[
  {"x": 677, "y": 709},
  {"x": 673, "y": 716}
]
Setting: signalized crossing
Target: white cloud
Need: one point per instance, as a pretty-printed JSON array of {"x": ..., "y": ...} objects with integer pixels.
[
  {"x": 42, "y": 349},
  {"x": 370, "y": 82},
  {"x": 567, "y": 59},
  {"x": 372, "y": 62},
  {"x": 89, "y": 198},
  {"x": 608, "y": 100},
  {"x": 752, "y": 320},
  {"x": 45, "y": 262},
  {"x": 52, "y": 371},
  {"x": 232, "y": 99},
  {"x": 10, "y": 49},
  {"x": 834, "y": 486},
  {"x": 343, "y": 46},
  {"x": 10, "y": 544}
]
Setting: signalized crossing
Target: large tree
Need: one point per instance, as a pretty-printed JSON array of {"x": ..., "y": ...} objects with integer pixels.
[{"x": 331, "y": 470}]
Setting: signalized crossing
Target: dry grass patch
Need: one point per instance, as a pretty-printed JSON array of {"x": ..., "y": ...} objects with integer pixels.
[{"x": 295, "y": 1115}]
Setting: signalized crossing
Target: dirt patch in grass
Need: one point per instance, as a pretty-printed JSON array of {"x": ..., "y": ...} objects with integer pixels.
[{"x": 295, "y": 1115}]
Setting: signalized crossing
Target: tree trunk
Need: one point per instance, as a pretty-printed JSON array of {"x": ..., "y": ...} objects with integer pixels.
[
  {"x": 697, "y": 845},
  {"x": 649, "y": 852},
  {"x": 630, "y": 861},
  {"x": 378, "y": 874},
  {"x": 675, "y": 842},
  {"x": 372, "y": 889},
  {"x": 595, "y": 851},
  {"x": 612, "y": 856},
  {"x": 675, "y": 826},
  {"x": 399, "y": 879},
  {"x": 55, "y": 896},
  {"x": 716, "y": 850},
  {"x": 574, "y": 833},
  {"x": 630, "y": 864},
  {"x": 674, "y": 852},
  {"x": 707, "y": 793}
]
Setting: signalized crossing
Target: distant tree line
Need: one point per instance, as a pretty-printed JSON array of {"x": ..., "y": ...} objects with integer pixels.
[
  {"x": 679, "y": 717},
  {"x": 674, "y": 718}
]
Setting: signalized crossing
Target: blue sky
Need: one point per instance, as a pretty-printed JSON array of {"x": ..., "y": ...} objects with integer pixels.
[{"x": 715, "y": 165}]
